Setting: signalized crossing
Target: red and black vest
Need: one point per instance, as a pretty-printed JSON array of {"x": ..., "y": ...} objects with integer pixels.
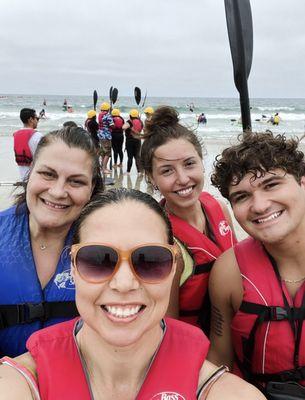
[
  {"x": 267, "y": 331},
  {"x": 173, "y": 372},
  {"x": 117, "y": 127},
  {"x": 136, "y": 125},
  {"x": 23, "y": 154},
  {"x": 194, "y": 303}
]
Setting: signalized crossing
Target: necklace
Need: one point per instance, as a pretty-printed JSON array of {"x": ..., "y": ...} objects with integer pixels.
[
  {"x": 293, "y": 280},
  {"x": 42, "y": 246}
]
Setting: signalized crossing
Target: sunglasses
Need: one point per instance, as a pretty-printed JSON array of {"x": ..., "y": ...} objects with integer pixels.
[{"x": 97, "y": 262}]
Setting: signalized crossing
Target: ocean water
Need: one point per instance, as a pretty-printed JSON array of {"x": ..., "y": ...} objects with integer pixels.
[{"x": 222, "y": 113}]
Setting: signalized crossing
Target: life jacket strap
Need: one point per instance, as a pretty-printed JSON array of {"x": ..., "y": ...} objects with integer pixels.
[
  {"x": 16, "y": 314},
  {"x": 295, "y": 375},
  {"x": 203, "y": 268},
  {"x": 273, "y": 313}
]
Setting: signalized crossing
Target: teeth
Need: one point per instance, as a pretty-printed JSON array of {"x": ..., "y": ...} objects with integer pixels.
[
  {"x": 270, "y": 218},
  {"x": 120, "y": 312},
  {"x": 184, "y": 192},
  {"x": 58, "y": 206}
]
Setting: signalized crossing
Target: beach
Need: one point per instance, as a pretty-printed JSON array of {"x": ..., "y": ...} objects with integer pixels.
[{"x": 221, "y": 130}]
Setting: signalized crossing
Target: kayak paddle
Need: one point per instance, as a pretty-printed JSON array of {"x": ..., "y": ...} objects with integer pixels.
[
  {"x": 95, "y": 97},
  {"x": 240, "y": 32},
  {"x": 144, "y": 99},
  {"x": 137, "y": 95},
  {"x": 114, "y": 95}
]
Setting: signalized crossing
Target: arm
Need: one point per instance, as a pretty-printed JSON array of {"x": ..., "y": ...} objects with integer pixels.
[
  {"x": 33, "y": 142},
  {"x": 126, "y": 126},
  {"x": 227, "y": 386},
  {"x": 226, "y": 291},
  {"x": 13, "y": 384}
]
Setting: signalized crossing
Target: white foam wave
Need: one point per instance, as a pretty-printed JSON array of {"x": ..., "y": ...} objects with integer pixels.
[{"x": 277, "y": 109}]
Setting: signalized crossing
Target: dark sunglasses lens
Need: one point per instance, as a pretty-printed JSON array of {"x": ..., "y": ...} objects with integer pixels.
[
  {"x": 96, "y": 262},
  {"x": 152, "y": 263}
]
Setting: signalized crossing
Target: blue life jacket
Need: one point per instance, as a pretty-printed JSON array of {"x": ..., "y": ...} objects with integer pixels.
[{"x": 24, "y": 306}]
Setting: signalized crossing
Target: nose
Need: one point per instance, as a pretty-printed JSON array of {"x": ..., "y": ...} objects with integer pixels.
[
  {"x": 124, "y": 279},
  {"x": 182, "y": 176},
  {"x": 260, "y": 203},
  {"x": 58, "y": 189}
]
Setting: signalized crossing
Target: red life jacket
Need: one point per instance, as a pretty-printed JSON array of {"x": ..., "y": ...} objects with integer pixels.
[
  {"x": 23, "y": 154},
  {"x": 137, "y": 125},
  {"x": 118, "y": 123},
  {"x": 174, "y": 370},
  {"x": 100, "y": 119},
  {"x": 267, "y": 330},
  {"x": 192, "y": 294}
]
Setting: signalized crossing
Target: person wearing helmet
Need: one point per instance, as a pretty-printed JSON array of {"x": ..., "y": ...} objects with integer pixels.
[
  {"x": 148, "y": 113},
  {"x": 117, "y": 137},
  {"x": 105, "y": 122},
  {"x": 133, "y": 128},
  {"x": 92, "y": 127}
]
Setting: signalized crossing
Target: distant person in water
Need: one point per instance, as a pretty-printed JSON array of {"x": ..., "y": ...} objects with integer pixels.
[
  {"x": 65, "y": 105},
  {"x": 42, "y": 114},
  {"x": 70, "y": 109},
  {"x": 26, "y": 140},
  {"x": 202, "y": 119},
  {"x": 276, "y": 119},
  {"x": 44, "y": 102},
  {"x": 191, "y": 107}
]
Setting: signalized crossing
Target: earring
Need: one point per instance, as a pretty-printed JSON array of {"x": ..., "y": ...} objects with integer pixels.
[{"x": 155, "y": 187}]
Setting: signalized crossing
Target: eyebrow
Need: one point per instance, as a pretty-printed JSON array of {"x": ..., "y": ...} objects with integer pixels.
[
  {"x": 175, "y": 159},
  {"x": 70, "y": 176},
  {"x": 261, "y": 183}
]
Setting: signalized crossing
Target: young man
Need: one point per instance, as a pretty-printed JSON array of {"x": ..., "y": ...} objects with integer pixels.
[
  {"x": 257, "y": 289},
  {"x": 26, "y": 140}
]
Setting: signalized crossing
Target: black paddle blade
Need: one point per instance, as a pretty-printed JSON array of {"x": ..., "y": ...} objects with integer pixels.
[
  {"x": 114, "y": 95},
  {"x": 240, "y": 31},
  {"x": 110, "y": 93},
  {"x": 95, "y": 97},
  {"x": 137, "y": 94}
]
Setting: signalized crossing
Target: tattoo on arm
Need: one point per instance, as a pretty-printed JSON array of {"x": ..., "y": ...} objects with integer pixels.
[{"x": 217, "y": 321}]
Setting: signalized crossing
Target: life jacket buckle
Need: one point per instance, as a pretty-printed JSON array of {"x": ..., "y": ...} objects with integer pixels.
[
  {"x": 278, "y": 313},
  {"x": 30, "y": 312},
  {"x": 37, "y": 311}
]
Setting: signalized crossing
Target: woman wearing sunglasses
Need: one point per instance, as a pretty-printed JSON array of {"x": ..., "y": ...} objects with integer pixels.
[
  {"x": 171, "y": 157},
  {"x": 124, "y": 260},
  {"x": 36, "y": 287}
]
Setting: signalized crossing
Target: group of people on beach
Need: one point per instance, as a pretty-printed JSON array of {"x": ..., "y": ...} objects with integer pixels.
[
  {"x": 159, "y": 300},
  {"x": 107, "y": 132}
]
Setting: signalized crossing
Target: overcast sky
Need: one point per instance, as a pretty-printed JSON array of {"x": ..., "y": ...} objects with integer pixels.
[{"x": 169, "y": 47}]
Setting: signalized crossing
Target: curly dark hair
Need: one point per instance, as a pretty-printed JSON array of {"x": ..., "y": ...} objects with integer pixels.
[
  {"x": 164, "y": 126},
  {"x": 257, "y": 153}
]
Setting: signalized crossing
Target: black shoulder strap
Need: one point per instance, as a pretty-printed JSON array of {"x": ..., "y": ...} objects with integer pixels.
[{"x": 16, "y": 314}]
